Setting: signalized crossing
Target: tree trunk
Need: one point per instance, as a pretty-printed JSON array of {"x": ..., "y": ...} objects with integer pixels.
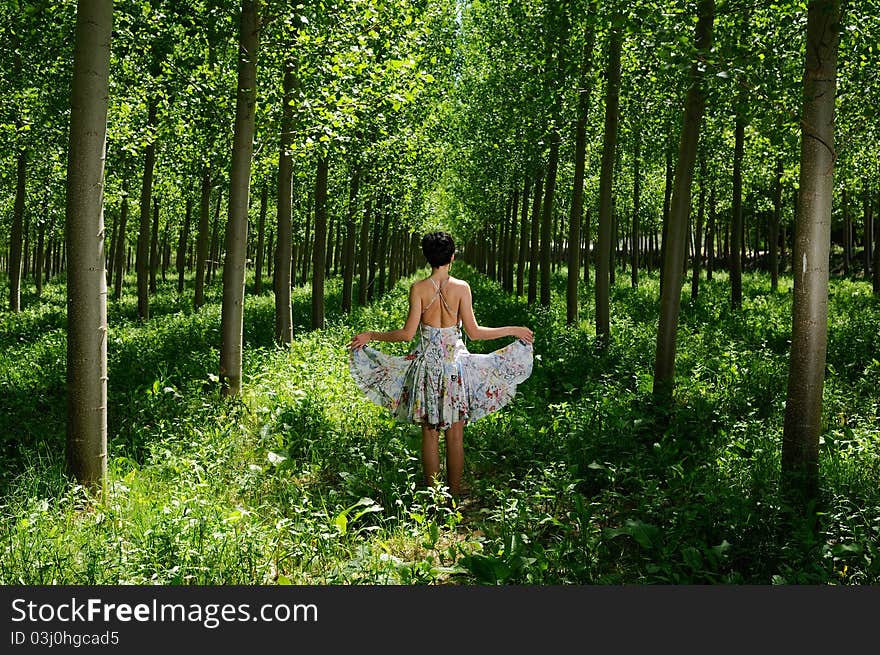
[
  {"x": 547, "y": 220},
  {"x": 679, "y": 210},
  {"x": 667, "y": 197},
  {"x": 202, "y": 242},
  {"x": 15, "y": 248},
  {"x": 232, "y": 316},
  {"x": 261, "y": 240},
  {"x": 847, "y": 233},
  {"x": 523, "y": 238},
  {"x": 284, "y": 265},
  {"x": 637, "y": 155},
  {"x": 710, "y": 236},
  {"x": 534, "y": 251},
  {"x": 698, "y": 236},
  {"x": 183, "y": 243},
  {"x": 86, "y": 426},
  {"x": 41, "y": 255},
  {"x": 215, "y": 241},
  {"x": 812, "y": 243},
  {"x": 319, "y": 250},
  {"x": 364, "y": 264},
  {"x": 774, "y": 228},
  {"x": 876, "y": 269},
  {"x": 142, "y": 262},
  {"x": 154, "y": 246},
  {"x": 606, "y": 183},
  {"x": 350, "y": 236},
  {"x": 736, "y": 228},
  {"x": 580, "y": 147}
]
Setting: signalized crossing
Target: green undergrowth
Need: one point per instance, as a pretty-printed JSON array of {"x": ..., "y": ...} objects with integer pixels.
[{"x": 582, "y": 479}]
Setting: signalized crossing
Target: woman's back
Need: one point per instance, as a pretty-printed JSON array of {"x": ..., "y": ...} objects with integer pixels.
[{"x": 440, "y": 301}]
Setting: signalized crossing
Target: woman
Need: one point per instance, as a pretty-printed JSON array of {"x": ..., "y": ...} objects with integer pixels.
[{"x": 439, "y": 384}]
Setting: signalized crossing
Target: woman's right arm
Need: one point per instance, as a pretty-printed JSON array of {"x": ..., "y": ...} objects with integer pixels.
[{"x": 476, "y": 333}]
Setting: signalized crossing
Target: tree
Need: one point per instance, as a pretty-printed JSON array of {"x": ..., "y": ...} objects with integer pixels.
[
  {"x": 606, "y": 190},
  {"x": 232, "y": 317},
  {"x": 812, "y": 244},
  {"x": 679, "y": 210},
  {"x": 86, "y": 279}
]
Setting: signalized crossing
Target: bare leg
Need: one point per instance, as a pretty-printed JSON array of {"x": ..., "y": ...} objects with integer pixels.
[
  {"x": 455, "y": 457},
  {"x": 430, "y": 454}
]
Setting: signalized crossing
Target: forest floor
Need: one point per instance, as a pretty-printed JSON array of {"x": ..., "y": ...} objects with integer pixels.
[{"x": 581, "y": 479}]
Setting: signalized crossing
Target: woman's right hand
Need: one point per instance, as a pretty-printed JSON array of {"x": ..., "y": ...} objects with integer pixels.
[
  {"x": 359, "y": 340},
  {"x": 524, "y": 333}
]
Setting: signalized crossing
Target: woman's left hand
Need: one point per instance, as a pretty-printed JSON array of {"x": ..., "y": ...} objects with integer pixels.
[{"x": 359, "y": 341}]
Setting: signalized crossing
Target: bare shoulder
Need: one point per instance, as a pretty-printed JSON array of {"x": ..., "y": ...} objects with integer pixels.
[{"x": 459, "y": 284}]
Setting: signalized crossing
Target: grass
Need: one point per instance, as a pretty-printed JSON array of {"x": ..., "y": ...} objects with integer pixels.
[{"x": 581, "y": 480}]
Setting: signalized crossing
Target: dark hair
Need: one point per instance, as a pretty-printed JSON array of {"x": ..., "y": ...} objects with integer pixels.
[{"x": 438, "y": 248}]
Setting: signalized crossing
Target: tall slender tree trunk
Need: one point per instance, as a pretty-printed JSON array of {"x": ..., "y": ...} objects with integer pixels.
[
  {"x": 876, "y": 268},
  {"x": 154, "y": 246},
  {"x": 261, "y": 240},
  {"x": 534, "y": 251},
  {"x": 202, "y": 241},
  {"x": 350, "y": 237},
  {"x": 580, "y": 147},
  {"x": 232, "y": 316},
  {"x": 284, "y": 248},
  {"x": 122, "y": 242},
  {"x": 637, "y": 156},
  {"x": 606, "y": 190},
  {"x": 364, "y": 264},
  {"x": 142, "y": 262},
  {"x": 215, "y": 241},
  {"x": 183, "y": 243},
  {"x": 698, "y": 235},
  {"x": 523, "y": 237},
  {"x": 847, "y": 233},
  {"x": 679, "y": 210},
  {"x": 812, "y": 243},
  {"x": 667, "y": 197},
  {"x": 15, "y": 247},
  {"x": 710, "y": 236},
  {"x": 547, "y": 220},
  {"x": 774, "y": 227},
  {"x": 319, "y": 250},
  {"x": 869, "y": 224},
  {"x": 86, "y": 426},
  {"x": 736, "y": 229},
  {"x": 38, "y": 260}
]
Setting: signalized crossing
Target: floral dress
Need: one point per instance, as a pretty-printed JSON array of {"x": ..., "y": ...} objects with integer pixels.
[{"x": 439, "y": 382}]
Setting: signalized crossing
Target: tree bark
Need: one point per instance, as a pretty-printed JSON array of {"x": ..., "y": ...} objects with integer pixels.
[
  {"x": 232, "y": 316},
  {"x": 350, "y": 236},
  {"x": 261, "y": 240},
  {"x": 812, "y": 243},
  {"x": 679, "y": 210},
  {"x": 637, "y": 155},
  {"x": 547, "y": 220},
  {"x": 202, "y": 242},
  {"x": 284, "y": 246},
  {"x": 534, "y": 251},
  {"x": 580, "y": 147},
  {"x": 183, "y": 243},
  {"x": 523, "y": 238},
  {"x": 142, "y": 263},
  {"x": 606, "y": 190},
  {"x": 154, "y": 246},
  {"x": 319, "y": 250},
  {"x": 698, "y": 235},
  {"x": 774, "y": 227},
  {"x": 15, "y": 248},
  {"x": 736, "y": 227},
  {"x": 86, "y": 427},
  {"x": 364, "y": 265}
]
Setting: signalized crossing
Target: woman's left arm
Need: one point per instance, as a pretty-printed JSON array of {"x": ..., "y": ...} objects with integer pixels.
[{"x": 406, "y": 333}]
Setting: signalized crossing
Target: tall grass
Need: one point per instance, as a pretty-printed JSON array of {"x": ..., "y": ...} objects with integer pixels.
[{"x": 581, "y": 479}]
